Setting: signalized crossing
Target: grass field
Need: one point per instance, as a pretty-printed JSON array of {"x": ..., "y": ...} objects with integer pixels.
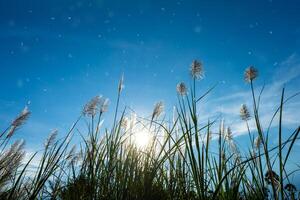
[{"x": 153, "y": 158}]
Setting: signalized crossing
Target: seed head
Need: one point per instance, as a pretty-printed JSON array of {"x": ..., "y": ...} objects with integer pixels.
[
  {"x": 72, "y": 153},
  {"x": 244, "y": 113},
  {"x": 124, "y": 123},
  {"x": 19, "y": 121},
  {"x": 228, "y": 135},
  {"x": 98, "y": 103},
  {"x": 181, "y": 89},
  {"x": 90, "y": 109},
  {"x": 17, "y": 146},
  {"x": 10, "y": 159},
  {"x": 197, "y": 69},
  {"x": 250, "y": 74},
  {"x": 104, "y": 103},
  {"x": 257, "y": 142},
  {"x": 121, "y": 84},
  {"x": 51, "y": 138},
  {"x": 158, "y": 109}
]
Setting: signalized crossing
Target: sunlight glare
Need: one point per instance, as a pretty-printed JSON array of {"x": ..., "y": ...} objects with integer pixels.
[{"x": 142, "y": 139}]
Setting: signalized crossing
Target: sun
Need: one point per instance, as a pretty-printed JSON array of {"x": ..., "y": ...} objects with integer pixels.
[{"x": 142, "y": 139}]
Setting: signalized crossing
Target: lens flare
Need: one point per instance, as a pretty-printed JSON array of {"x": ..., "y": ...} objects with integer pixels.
[{"x": 142, "y": 139}]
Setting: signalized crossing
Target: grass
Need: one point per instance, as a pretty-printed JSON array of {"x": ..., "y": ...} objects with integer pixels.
[{"x": 181, "y": 160}]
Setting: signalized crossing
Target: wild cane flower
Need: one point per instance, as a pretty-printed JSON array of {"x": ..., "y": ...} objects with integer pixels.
[
  {"x": 250, "y": 74},
  {"x": 104, "y": 103},
  {"x": 229, "y": 138},
  {"x": 50, "y": 140},
  {"x": 73, "y": 156},
  {"x": 14, "y": 155},
  {"x": 72, "y": 153},
  {"x": 17, "y": 146},
  {"x": 91, "y": 107},
  {"x": 228, "y": 135},
  {"x": 19, "y": 121},
  {"x": 125, "y": 123},
  {"x": 11, "y": 159},
  {"x": 98, "y": 103},
  {"x": 181, "y": 89},
  {"x": 244, "y": 113},
  {"x": 121, "y": 84},
  {"x": 158, "y": 109},
  {"x": 197, "y": 69},
  {"x": 257, "y": 142}
]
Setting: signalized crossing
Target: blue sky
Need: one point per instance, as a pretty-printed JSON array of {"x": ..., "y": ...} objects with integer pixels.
[{"x": 56, "y": 55}]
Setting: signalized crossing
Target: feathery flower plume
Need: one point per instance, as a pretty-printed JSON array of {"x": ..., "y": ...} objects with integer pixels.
[
  {"x": 19, "y": 121},
  {"x": 257, "y": 142},
  {"x": 90, "y": 109},
  {"x": 125, "y": 123},
  {"x": 73, "y": 156},
  {"x": 222, "y": 128},
  {"x": 175, "y": 115},
  {"x": 181, "y": 89},
  {"x": 10, "y": 160},
  {"x": 228, "y": 135},
  {"x": 244, "y": 113},
  {"x": 98, "y": 103},
  {"x": 17, "y": 146},
  {"x": 104, "y": 103},
  {"x": 158, "y": 109},
  {"x": 250, "y": 74},
  {"x": 197, "y": 69},
  {"x": 51, "y": 138},
  {"x": 14, "y": 155},
  {"x": 121, "y": 84},
  {"x": 72, "y": 153}
]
